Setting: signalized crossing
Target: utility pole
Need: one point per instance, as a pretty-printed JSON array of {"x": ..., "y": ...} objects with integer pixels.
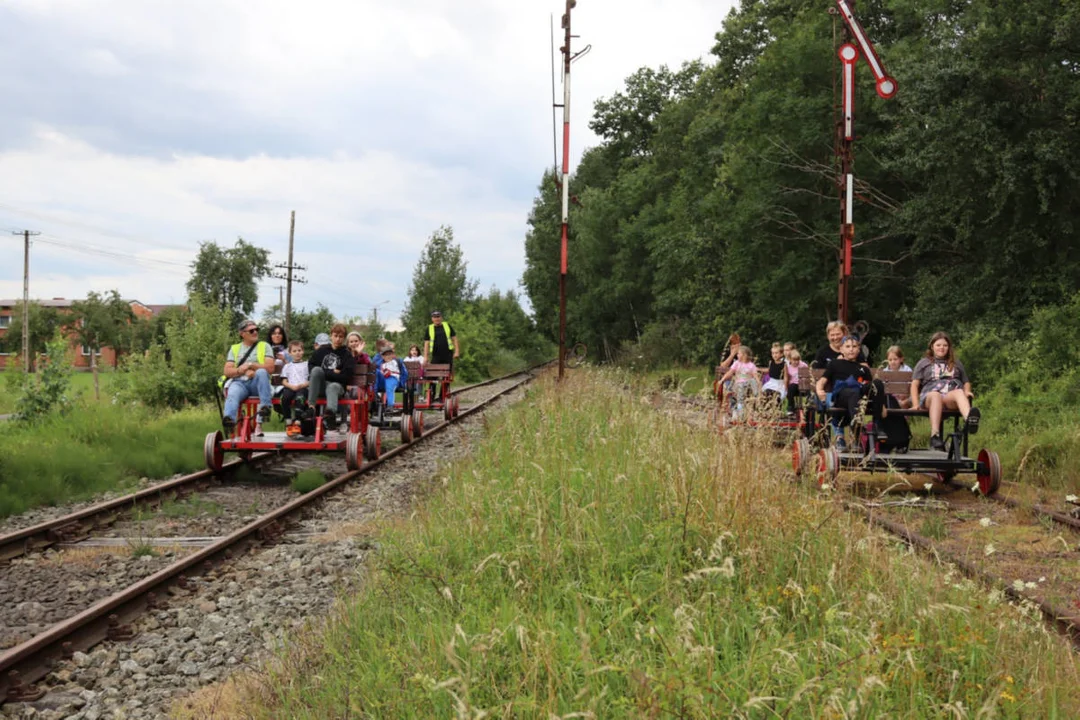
[
  {"x": 26, "y": 297},
  {"x": 281, "y": 298},
  {"x": 288, "y": 276}
]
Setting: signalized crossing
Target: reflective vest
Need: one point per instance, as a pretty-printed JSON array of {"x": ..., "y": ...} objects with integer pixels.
[
  {"x": 431, "y": 335},
  {"x": 260, "y": 357}
]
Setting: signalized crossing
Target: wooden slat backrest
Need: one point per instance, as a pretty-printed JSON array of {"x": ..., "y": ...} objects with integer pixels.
[
  {"x": 896, "y": 382},
  {"x": 806, "y": 380},
  {"x": 363, "y": 375},
  {"x": 436, "y": 372},
  {"x": 415, "y": 368}
]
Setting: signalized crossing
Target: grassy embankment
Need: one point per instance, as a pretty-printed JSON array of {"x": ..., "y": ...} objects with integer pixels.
[
  {"x": 82, "y": 383},
  {"x": 597, "y": 557},
  {"x": 94, "y": 448}
]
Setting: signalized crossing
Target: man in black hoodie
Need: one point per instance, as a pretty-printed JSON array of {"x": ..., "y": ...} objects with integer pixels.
[{"x": 331, "y": 371}]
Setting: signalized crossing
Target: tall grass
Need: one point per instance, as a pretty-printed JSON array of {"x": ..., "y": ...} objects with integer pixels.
[
  {"x": 596, "y": 558},
  {"x": 96, "y": 447}
]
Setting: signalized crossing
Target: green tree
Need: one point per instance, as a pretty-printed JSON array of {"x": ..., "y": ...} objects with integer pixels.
[
  {"x": 229, "y": 278},
  {"x": 305, "y": 324},
  {"x": 184, "y": 369},
  {"x": 43, "y": 324},
  {"x": 439, "y": 283},
  {"x": 100, "y": 321}
]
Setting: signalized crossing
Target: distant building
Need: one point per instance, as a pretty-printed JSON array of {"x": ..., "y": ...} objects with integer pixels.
[{"x": 10, "y": 314}]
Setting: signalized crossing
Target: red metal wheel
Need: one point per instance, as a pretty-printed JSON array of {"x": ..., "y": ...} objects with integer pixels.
[
  {"x": 457, "y": 405},
  {"x": 353, "y": 449},
  {"x": 448, "y": 410},
  {"x": 213, "y": 453},
  {"x": 828, "y": 466},
  {"x": 418, "y": 423},
  {"x": 801, "y": 455},
  {"x": 373, "y": 443},
  {"x": 990, "y": 480},
  {"x": 406, "y": 429}
]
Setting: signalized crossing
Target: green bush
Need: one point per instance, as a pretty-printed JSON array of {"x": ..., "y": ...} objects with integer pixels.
[
  {"x": 185, "y": 369},
  {"x": 47, "y": 392}
]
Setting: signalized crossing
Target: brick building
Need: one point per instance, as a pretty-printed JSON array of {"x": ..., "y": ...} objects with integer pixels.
[{"x": 10, "y": 315}]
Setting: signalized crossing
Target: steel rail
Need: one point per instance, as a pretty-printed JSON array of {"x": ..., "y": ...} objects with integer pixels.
[
  {"x": 1067, "y": 624},
  {"x": 74, "y": 526},
  {"x": 34, "y": 658}
]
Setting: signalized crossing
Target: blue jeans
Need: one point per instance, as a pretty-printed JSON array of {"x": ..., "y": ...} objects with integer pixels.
[
  {"x": 241, "y": 388},
  {"x": 822, "y": 407},
  {"x": 389, "y": 386}
]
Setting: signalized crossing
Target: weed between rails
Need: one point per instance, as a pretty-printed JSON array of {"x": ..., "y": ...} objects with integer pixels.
[{"x": 594, "y": 558}]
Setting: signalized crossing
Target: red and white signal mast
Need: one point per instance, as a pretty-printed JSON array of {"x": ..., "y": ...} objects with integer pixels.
[{"x": 856, "y": 43}]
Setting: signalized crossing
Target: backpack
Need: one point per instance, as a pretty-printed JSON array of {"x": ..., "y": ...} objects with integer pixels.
[{"x": 895, "y": 427}]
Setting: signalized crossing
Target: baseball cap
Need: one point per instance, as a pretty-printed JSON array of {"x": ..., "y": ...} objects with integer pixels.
[
  {"x": 322, "y": 339},
  {"x": 387, "y": 350}
]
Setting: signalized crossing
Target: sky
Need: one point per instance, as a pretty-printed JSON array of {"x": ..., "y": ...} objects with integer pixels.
[{"x": 131, "y": 131}]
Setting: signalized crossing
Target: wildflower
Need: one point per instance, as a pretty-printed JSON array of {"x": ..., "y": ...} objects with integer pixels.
[
  {"x": 1009, "y": 679},
  {"x": 1018, "y": 585},
  {"x": 1042, "y": 579},
  {"x": 928, "y": 486},
  {"x": 826, "y": 486},
  {"x": 1006, "y": 695},
  {"x": 975, "y": 487},
  {"x": 985, "y": 522},
  {"x": 989, "y": 549},
  {"x": 1071, "y": 498},
  {"x": 1030, "y": 585}
]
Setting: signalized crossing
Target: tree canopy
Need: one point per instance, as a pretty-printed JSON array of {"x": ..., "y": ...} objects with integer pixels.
[
  {"x": 229, "y": 277},
  {"x": 439, "y": 282}
]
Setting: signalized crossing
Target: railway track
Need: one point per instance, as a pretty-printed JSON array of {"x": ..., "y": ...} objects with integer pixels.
[
  {"x": 1027, "y": 551},
  {"x": 110, "y": 617}
]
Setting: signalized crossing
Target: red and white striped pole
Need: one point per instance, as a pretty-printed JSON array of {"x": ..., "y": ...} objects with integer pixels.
[{"x": 567, "y": 57}]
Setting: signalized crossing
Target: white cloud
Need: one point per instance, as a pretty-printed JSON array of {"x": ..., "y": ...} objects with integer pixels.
[{"x": 157, "y": 125}]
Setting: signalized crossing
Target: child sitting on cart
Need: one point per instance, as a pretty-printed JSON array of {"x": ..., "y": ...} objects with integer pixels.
[
  {"x": 391, "y": 375},
  {"x": 294, "y": 380},
  {"x": 744, "y": 374},
  {"x": 851, "y": 382}
]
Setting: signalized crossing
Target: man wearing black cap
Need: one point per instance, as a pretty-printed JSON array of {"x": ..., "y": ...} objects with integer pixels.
[{"x": 440, "y": 339}]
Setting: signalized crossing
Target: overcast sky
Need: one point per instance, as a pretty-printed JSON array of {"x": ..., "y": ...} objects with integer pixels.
[{"x": 130, "y": 131}]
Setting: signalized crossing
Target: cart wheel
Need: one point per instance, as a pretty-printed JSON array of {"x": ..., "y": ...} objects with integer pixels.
[
  {"x": 212, "y": 451},
  {"x": 801, "y": 455},
  {"x": 991, "y": 481},
  {"x": 406, "y": 429},
  {"x": 456, "y": 404},
  {"x": 373, "y": 443},
  {"x": 828, "y": 465},
  {"x": 448, "y": 410},
  {"x": 353, "y": 448},
  {"x": 418, "y": 423}
]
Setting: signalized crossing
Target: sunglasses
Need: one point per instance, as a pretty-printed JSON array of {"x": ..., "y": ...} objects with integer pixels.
[{"x": 252, "y": 330}]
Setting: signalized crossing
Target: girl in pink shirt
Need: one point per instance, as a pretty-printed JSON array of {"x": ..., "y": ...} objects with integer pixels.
[
  {"x": 745, "y": 374},
  {"x": 794, "y": 362}
]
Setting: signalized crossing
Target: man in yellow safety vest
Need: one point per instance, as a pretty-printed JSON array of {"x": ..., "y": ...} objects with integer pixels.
[
  {"x": 441, "y": 343},
  {"x": 247, "y": 372}
]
